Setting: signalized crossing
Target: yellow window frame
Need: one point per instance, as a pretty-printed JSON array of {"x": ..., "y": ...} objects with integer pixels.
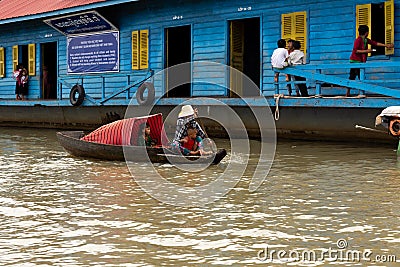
[
  {"x": 294, "y": 26},
  {"x": 2, "y": 63},
  {"x": 389, "y": 26},
  {"x": 15, "y": 56},
  {"x": 363, "y": 17},
  {"x": 140, "y": 49},
  {"x": 31, "y": 59}
]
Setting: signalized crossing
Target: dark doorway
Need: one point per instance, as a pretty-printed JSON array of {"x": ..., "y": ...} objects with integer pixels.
[
  {"x": 178, "y": 50},
  {"x": 245, "y": 56},
  {"x": 377, "y": 31},
  {"x": 23, "y": 56},
  {"x": 48, "y": 70}
]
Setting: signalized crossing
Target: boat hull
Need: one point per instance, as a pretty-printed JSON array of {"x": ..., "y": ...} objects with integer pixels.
[{"x": 70, "y": 141}]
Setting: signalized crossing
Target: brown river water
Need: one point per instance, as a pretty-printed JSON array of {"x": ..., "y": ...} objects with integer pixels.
[{"x": 321, "y": 204}]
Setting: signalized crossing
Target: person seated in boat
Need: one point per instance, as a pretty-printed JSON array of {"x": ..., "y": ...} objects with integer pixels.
[
  {"x": 144, "y": 138},
  {"x": 186, "y": 118},
  {"x": 192, "y": 143}
]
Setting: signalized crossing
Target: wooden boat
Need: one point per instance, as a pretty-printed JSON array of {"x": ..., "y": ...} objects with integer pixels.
[{"x": 74, "y": 143}]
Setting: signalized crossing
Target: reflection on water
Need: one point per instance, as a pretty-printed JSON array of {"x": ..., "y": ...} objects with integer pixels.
[{"x": 59, "y": 210}]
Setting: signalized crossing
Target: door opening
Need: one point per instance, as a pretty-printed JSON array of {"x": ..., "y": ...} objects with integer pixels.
[
  {"x": 178, "y": 50},
  {"x": 23, "y": 56},
  {"x": 378, "y": 27},
  {"x": 244, "y": 56},
  {"x": 49, "y": 70}
]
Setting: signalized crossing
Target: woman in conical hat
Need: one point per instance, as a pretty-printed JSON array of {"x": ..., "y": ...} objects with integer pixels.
[{"x": 186, "y": 118}]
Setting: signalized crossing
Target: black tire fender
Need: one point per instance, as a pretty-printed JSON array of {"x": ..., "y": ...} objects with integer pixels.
[
  {"x": 150, "y": 94},
  {"x": 77, "y": 95}
]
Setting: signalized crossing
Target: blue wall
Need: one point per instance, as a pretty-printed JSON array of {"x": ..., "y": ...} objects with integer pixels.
[{"x": 331, "y": 32}]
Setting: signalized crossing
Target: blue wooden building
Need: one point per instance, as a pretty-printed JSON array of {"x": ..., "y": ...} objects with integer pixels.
[{"x": 133, "y": 37}]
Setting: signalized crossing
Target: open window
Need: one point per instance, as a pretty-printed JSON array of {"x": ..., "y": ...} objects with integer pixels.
[
  {"x": 379, "y": 17},
  {"x": 294, "y": 26},
  {"x": 26, "y": 55}
]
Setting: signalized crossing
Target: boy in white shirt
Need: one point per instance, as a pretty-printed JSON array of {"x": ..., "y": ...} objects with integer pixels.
[
  {"x": 297, "y": 58},
  {"x": 278, "y": 57}
]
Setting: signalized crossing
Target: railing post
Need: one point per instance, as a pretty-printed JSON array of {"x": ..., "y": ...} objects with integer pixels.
[
  {"x": 60, "y": 91},
  {"x": 362, "y": 77},
  {"x": 276, "y": 84},
  {"x": 318, "y": 91},
  {"x": 103, "y": 88},
  {"x": 293, "y": 87},
  {"x": 128, "y": 92}
]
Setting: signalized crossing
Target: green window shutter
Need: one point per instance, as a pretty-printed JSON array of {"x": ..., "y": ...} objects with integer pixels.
[
  {"x": 135, "y": 50},
  {"x": 389, "y": 26},
  {"x": 144, "y": 49},
  {"x": 2, "y": 63},
  {"x": 363, "y": 17},
  {"x": 15, "y": 56},
  {"x": 31, "y": 60}
]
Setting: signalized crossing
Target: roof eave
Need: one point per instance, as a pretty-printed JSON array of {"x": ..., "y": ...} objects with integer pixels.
[{"x": 65, "y": 11}]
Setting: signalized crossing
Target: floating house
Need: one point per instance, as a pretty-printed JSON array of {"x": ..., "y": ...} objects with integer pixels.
[{"x": 108, "y": 47}]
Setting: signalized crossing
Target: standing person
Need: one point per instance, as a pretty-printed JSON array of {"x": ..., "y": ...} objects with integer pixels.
[
  {"x": 290, "y": 49},
  {"x": 23, "y": 80},
  {"x": 278, "y": 57},
  {"x": 360, "y": 51},
  {"x": 16, "y": 76},
  {"x": 297, "y": 57},
  {"x": 186, "y": 118}
]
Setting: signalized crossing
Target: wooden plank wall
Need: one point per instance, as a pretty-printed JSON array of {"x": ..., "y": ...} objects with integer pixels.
[{"x": 331, "y": 32}]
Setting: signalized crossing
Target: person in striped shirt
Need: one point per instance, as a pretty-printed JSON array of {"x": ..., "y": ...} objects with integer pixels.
[{"x": 186, "y": 118}]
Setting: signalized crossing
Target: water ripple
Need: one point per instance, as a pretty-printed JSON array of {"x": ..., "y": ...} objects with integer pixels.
[{"x": 56, "y": 209}]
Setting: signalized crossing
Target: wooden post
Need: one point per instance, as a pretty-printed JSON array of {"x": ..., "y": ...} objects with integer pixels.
[
  {"x": 318, "y": 92},
  {"x": 276, "y": 85},
  {"x": 60, "y": 92},
  {"x": 103, "y": 88},
  {"x": 128, "y": 92},
  {"x": 362, "y": 77},
  {"x": 398, "y": 149}
]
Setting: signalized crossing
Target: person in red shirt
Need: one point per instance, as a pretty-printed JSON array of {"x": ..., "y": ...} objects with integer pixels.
[
  {"x": 192, "y": 143},
  {"x": 360, "y": 51}
]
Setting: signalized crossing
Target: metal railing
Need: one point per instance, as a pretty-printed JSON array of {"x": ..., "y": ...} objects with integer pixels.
[{"x": 104, "y": 97}]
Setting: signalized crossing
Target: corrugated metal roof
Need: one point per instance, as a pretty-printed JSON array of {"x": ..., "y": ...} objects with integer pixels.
[{"x": 20, "y": 8}]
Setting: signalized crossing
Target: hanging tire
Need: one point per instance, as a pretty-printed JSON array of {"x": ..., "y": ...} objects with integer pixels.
[
  {"x": 77, "y": 95},
  {"x": 394, "y": 127},
  {"x": 150, "y": 94}
]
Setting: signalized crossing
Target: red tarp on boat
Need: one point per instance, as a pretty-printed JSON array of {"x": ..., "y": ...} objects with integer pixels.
[{"x": 125, "y": 132}]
